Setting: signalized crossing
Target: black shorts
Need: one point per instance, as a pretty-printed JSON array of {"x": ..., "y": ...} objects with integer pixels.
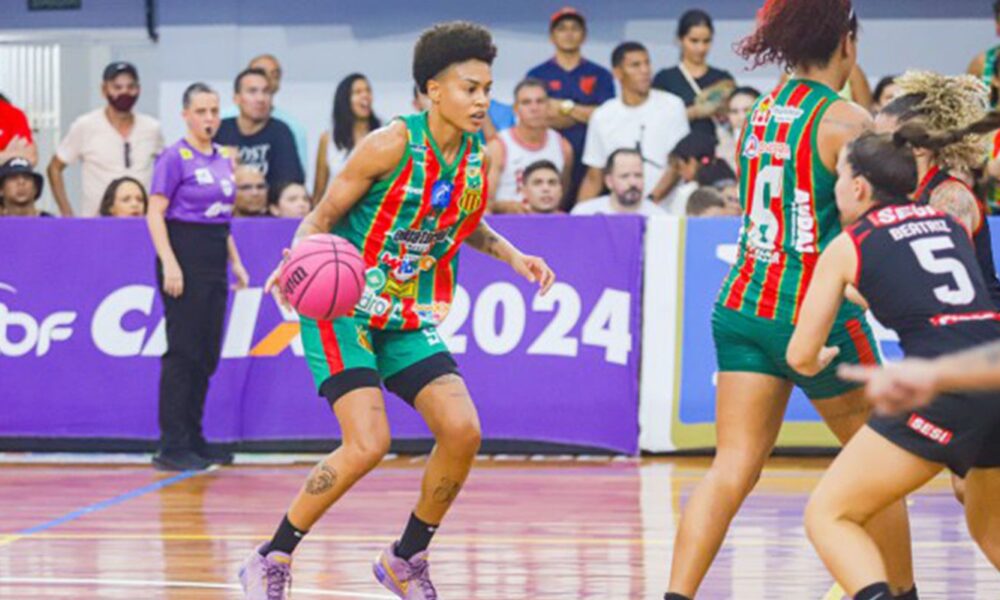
[
  {"x": 406, "y": 384},
  {"x": 959, "y": 431}
]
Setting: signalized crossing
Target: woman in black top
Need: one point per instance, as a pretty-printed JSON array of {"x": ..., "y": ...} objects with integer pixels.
[{"x": 702, "y": 87}]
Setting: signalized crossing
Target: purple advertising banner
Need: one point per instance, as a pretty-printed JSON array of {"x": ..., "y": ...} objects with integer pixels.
[{"x": 81, "y": 331}]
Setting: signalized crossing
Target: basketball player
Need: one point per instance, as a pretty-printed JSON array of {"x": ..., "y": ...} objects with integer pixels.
[
  {"x": 944, "y": 103},
  {"x": 915, "y": 267},
  {"x": 409, "y": 196},
  {"x": 788, "y": 154}
]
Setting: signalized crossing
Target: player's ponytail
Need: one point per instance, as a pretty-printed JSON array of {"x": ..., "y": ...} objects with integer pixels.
[{"x": 917, "y": 134}]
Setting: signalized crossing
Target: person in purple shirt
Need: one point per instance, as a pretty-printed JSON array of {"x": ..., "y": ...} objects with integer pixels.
[
  {"x": 576, "y": 87},
  {"x": 190, "y": 206}
]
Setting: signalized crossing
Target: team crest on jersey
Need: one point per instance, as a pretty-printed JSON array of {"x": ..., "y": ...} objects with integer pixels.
[
  {"x": 587, "y": 84},
  {"x": 471, "y": 200}
]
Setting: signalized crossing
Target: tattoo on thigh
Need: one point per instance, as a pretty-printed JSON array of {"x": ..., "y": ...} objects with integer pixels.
[
  {"x": 321, "y": 480},
  {"x": 446, "y": 491}
]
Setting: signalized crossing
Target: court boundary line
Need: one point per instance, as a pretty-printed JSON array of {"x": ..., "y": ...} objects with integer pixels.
[
  {"x": 165, "y": 583},
  {"x": 101, "y": 505}
]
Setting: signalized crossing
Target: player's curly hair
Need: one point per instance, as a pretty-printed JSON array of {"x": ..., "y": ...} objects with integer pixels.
[
  {"x": 944, "y": 103},
  {"x": 798, "y": 33},
  {"x": 446, "y": 44}
]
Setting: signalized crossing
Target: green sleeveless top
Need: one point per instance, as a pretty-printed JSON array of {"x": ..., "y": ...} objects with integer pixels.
[
  {"x": 789, "y": 208},
  {"x": 409, "y": 227}
]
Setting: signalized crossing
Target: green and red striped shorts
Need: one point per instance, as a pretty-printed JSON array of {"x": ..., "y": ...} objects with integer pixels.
[
  {"x": 746, "y": 343},
  {"x": 332, "y": 347}
]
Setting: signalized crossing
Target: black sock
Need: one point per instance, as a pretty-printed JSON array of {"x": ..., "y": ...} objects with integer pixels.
[
  {"x": 416, "y": 538},
  {"x": 285, "y": 539},
  {"x": 673, "y": 596},
  {"x": 910, "y": 595},
  {"x": 876, "y": 591}
]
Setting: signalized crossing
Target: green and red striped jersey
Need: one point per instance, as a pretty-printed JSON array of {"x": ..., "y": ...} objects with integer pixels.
[
  {"x": 789, "y": 208},
  {"x": 409, "y": 227}
]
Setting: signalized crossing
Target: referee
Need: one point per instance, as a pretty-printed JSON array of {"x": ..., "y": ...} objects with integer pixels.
[{"x": 190, "y": 207}]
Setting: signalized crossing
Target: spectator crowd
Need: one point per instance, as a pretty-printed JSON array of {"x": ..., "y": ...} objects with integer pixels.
[{"x": 664, "y": 143}]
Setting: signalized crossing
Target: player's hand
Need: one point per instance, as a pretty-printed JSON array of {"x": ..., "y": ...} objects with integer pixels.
[
  {"x": 535, "y": 270},
  {"x": 826, "y": 356},
  {"x": 241, "y": 275},
  {"x": 173, "y": 279},
  {"x": 272, "y": 287},
  {"x": 896, "y": 388}
]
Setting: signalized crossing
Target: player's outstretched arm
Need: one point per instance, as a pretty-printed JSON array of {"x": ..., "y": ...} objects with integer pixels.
[
  {"x": 834, "y": 271},
  {"x": 532, "y": 268},
  {"x": 912, "y": 383}
]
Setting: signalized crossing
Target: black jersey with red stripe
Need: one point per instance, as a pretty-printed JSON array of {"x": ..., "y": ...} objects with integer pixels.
[
  {"x": 982, "y": 238},
  {"x": 917, "y": 269}
]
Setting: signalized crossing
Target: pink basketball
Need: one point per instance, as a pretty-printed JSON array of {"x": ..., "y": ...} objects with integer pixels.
[{"x": 323, "y": 277}]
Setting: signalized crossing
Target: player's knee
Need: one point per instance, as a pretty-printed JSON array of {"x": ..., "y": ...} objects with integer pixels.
[
  {"x": 461, "y": 435},
  {"x": 369, "y": 448},
  {"x": 736, "y": 477}
]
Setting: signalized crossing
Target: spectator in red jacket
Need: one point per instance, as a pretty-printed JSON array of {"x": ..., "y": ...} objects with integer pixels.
[{"x": 15, "y": 134}]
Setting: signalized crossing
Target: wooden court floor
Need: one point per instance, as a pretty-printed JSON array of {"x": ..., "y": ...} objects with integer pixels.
[{"x": 522, "y": 530}]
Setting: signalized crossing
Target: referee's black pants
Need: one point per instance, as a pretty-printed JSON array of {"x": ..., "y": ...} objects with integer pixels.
[{"x": 194, "y": 344}]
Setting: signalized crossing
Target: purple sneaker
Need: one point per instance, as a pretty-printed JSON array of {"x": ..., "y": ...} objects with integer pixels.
[
  {"x": 408, "y": 579},
  {"x": 266, "y": 577}
]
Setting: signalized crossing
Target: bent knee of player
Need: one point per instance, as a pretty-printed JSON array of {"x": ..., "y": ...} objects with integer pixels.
[
  {"x": 460, "y": 434},
  {"x": 368, "y": 448},
  {"x": 735, "y": 475}
]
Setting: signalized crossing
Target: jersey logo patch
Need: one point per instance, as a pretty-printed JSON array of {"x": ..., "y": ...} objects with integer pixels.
[
  {"x": 204, "y": 177},
  {"x": 587, "y": 84}
]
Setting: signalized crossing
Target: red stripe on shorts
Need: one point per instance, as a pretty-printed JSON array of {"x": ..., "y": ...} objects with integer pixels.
[
  {"x": 866, "y": 354},
  {"x": 330, "y": 348}
]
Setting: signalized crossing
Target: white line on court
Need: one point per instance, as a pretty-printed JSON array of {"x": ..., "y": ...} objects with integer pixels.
[{"x": 178, "y": 584}]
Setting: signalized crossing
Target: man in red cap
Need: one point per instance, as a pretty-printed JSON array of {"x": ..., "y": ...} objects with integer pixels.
[{"x": 576, "y": 86}]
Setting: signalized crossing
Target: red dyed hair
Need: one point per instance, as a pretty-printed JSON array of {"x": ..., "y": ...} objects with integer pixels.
[{"x": 798, "y": 33}]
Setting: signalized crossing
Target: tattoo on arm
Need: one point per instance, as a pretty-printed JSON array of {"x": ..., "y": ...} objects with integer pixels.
[
  {"x": 321, "y": 480},
  {"x": 446, "y": 491},
  {"x": 485, "y": 240},
  {"x": 955, "y": 200}
]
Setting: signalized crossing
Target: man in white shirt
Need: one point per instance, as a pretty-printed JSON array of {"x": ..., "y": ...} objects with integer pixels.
[
  {"x": 110, "y": 142},
  {"x": 530, "y": 140},
  {"x": 647, "y": 120},
  {"x": 624, "y": 178}
]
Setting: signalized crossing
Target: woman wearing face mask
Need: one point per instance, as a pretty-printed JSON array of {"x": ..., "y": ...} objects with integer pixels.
[
  {"x": 125, "y": 197},
  {"x": 353, "y": 119},
  {"x": 702, "y": 87},
  {"x": 190, "y": 207}
]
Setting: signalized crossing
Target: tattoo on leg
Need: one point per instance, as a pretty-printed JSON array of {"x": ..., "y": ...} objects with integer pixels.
[
  {"x": 321, "y": 480},
  {"x": 446, "y": 491}
]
